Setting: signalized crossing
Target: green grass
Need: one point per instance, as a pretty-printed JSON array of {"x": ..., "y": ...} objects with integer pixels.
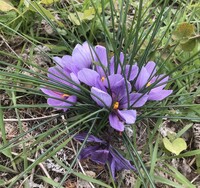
[{"x": 147, "y": 34}]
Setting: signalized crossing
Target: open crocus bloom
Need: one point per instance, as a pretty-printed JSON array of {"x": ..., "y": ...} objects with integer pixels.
[
  {"x": 103, "y": 153},
  {"x": 82, "y": 57},
  {"x": 118, "y": 100},
  {"x": 147, "y": 77},
  {"x": 57, "y": 99},
  {"x": 101, "y": 67}
]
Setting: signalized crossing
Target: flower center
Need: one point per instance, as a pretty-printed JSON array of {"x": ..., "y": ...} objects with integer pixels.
[
  {"x": 102, "y": 78},
  {"x": 148, "y": 84},
  {"x": 116, "y": 105},
  {"x": 65, "y": 95}
]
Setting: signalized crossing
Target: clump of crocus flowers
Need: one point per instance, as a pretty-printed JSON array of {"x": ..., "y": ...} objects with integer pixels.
[{"x": 112, "y": 84}]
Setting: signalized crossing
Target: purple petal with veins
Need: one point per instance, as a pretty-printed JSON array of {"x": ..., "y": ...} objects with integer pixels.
[{"x": 102, "y": 98}]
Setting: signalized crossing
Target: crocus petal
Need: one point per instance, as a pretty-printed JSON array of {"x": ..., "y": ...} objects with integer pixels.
[
  {"x": 100, "y": 156},
  {"x": 91, "y": 138},
  {"x": 86, "y": 152},
  {"x": 120, "y": 162},
  {"x": 138, "y": 99},
  {"x": 101, "y": 55},
  {"x": 129, "y": 116},
  {"x": 71, "y": 100},
  {"x": 112, "y": 66},
  {"x": 59, "y": 75},
  {"x": 100, "y": 85},
  {"x": 121, "y": 57},
  {"x": 58, "y": 104},
  {"x": 119, "y": 90},
  {"x": 113, "y": 80},
  {"x": 57, "y": 61},
  {"x": 113, "y": 62},
  {"x": 142, "y": 79},
  {"x": 67, "y": 63},
  {"x": 82, "y": 55},
  {"x": 159, "y": 95},
  {"x": 111, "y": 162},
  {"x": 62, "y": 102},
  {"x": 51, "y": 93},
  {"x": 151, "y": 68},
  {"x": 100, "y": 97},
  {"x": 75, "y": 79},
  {"x": 88, "y": 76},
  {"x": 133, "y": 72},
  {"x": 162, "y": 83},
  {"x": 115, "y": 122},
  {"x": 135, "y": 100}
]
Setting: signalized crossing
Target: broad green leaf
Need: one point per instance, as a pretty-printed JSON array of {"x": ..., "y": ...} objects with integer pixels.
[
  {"x": 184, "y": 31},
  {"x": 177, "y": 146},
  {"x": 6, "y": 6},
  {"x": 189, "y": 45},
  {"x": 48, "y": 2},
  {"x": 89, "y": 14},
  {"x": 78, "y": 17},
  {"x": 73, "y": 18}
]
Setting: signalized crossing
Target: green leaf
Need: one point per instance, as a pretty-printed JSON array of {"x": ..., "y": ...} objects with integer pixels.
[
  {"x": 184, "y": 31},
  {"x": 89, "y": 14},
  {"x": 177, "y": 146},
  {"x": 73, "y": 18},
  {"x": 78, "y": 17},
  {"x": 48, "y": 2},
  {"x": 6, "y": 6},
  {"x": 189, "y": 45}
]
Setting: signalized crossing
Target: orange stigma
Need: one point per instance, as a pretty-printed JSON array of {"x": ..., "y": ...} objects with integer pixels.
[
  {"x": 65, "y": 95},
  {"x": 102, "y": 78},
  {"x": 116, "y": 105},
  {"x": 148, "y": 84}
]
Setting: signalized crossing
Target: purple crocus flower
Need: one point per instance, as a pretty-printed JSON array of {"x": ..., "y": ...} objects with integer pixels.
[
  {"x": 118, "y": 100},
  {"x": 101, "y": 60},
  {"x": 98, "y": 76},
  {"x": 133, "y": 69},
  {"x": 147, "y": 77},
  {"x": 103, "y": 153},
  {"x": 57, "y": 99},
  {"x": 82, "y": 57}
]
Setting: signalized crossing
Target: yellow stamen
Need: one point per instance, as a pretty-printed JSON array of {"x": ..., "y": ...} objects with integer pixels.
[
  {"x": 65, "y": 95},
  {"x": 102, "y": 78},
  {"x": 116, "y": 105},
  {"x": 148, "y": 84}
]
